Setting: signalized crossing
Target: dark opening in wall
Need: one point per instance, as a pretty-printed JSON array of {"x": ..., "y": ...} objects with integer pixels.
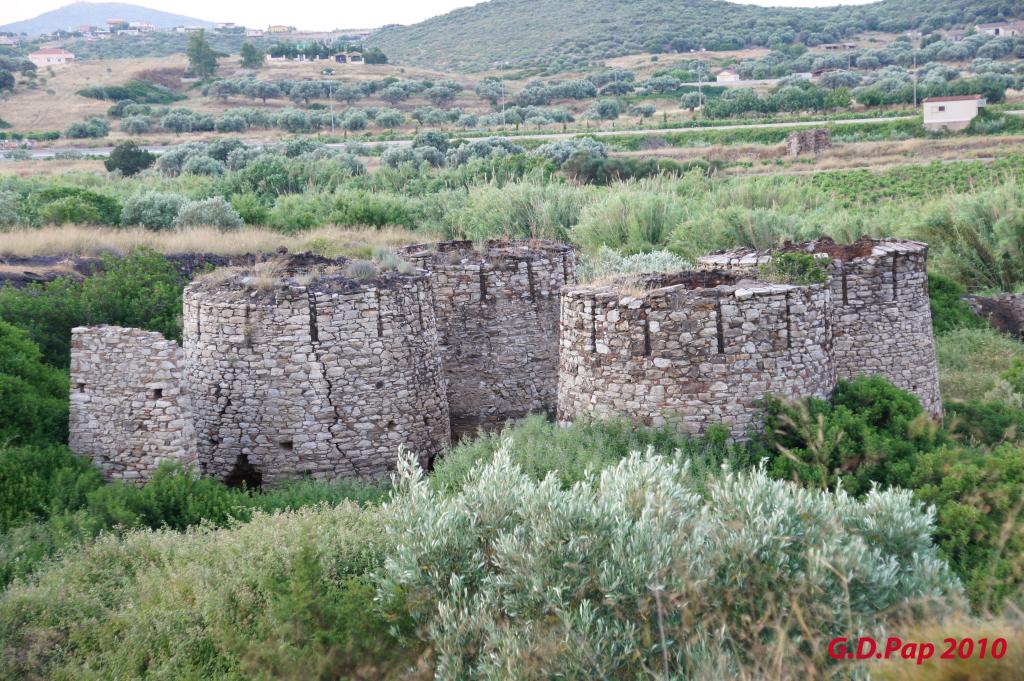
[
  {"x": 80, "y": 387},
  {"x": 244, "y": 474},
  {"x": 156, "y": 393},
  {"x": 288, "y": 445}
]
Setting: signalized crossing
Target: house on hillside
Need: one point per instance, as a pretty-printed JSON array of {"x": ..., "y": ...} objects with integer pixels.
[
  {"x": 349, "y": 57},
  {"x": 7, "y": 41},
  {"x": 728, "y": 76},
  {"x": 1004, "y": 29},
  {"x": 952, "y": 113},
  {"x": 51, "y": 56},
  {"x": 142, "y": 26},
  {"x": 279, "y": 28},
  {"x": 254, "y": 33},
  {"x": 836, "y": 47}
]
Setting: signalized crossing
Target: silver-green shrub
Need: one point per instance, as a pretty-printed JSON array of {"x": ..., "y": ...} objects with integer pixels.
[
  {"x": 152, "y": 210},
  {"x": 649, "y": 569},
  {"x": 211, "y": 212},
  {"x": 607, "y": 262},
  {"x": 200, "y": 164}
]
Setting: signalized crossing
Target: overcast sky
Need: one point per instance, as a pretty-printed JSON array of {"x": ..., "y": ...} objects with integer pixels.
[{"x": 314, "y": 14}]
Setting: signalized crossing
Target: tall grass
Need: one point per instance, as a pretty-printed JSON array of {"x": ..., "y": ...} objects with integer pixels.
[{"x": 81, "y": 240}]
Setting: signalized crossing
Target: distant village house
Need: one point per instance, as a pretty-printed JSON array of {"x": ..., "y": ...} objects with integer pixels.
[
  {"x": 951, "y": 113},
  {"x": 1004, "y": 29},
  {"x": 51, "y": 56},
  {"x": 279, "y": 28},
  {"x": 349, "y": 58},
  {"x": 727, "y": 76},
  {"x": 254, "y": 33},
  {"x": 834, "y": 47}
]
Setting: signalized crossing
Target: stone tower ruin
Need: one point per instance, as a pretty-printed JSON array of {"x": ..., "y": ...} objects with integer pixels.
[
  {"x": 130, "y": 408},
  {"x": 881, "y": 316},
  {"x": 691, "y": 349},
  {"x": 312, "y": 374},
  {"x": 497, "y": 307}
]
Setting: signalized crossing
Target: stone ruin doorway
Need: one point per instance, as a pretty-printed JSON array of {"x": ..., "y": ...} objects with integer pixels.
[{"x": 244, "y": 474}]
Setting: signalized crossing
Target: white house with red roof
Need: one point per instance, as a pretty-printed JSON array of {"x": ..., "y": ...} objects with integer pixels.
[{"x": 51, "y": 56}]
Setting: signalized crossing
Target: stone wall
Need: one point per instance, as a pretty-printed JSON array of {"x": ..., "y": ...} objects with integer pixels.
[
  {"x": 130, "y": 408},
  {"x": 325, "y": 377},
  {"x": 881, "y": 317},
  {"x": 497, "y": 316},
  {"x": 808, "y": 141},
  {"x": 691, "y": 349},
  {"x": 1005, "y": 312}
]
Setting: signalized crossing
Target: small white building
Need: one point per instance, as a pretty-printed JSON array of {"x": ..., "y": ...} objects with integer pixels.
[
  {"x": 51, "y": 56},
  {"x": 728, "y": 76},
  {"x": 952, "y": 113}
]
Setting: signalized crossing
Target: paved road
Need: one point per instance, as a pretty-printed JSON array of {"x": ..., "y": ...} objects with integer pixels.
[{"x": 41, "y": 152}]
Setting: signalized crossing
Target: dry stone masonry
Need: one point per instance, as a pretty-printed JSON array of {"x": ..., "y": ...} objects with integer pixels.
[
  {"x": 497, "y": 315},
  {"x": 691, "y": 349},
  {"x": 808, "y": 141},
  {"x": 130, "y": 409},
  {"x": 881, "y": 318},
  {"x": 314, "y": 375},
  {"x": 291, "y": 368}
]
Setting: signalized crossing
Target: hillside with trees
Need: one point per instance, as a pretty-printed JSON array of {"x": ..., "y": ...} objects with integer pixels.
[{"x": 558, "y": 35}]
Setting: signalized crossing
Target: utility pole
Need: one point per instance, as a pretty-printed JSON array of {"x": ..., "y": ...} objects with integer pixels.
[
  {"x": 915, "y": 80},
  {"x": 330, "y": 96},
  {"x": 502, "y": 81}
]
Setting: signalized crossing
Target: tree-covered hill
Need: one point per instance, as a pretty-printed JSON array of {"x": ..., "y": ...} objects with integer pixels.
[{"x": 558, "y": 34}]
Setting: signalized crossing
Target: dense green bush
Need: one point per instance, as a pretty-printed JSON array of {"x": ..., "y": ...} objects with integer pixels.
[
  {"x": 128, "y": 158},
  {"x": 152, "y": 210},
  {"x": 645, "y": 567},
  {"x": 92, "y": 127},
  {"x": 33, "y": 396},
  {"x": 142, "y": 290},
  {"x": 571, "y": 453},
  {"x": 795, "y": 268},
  {"x": 73, "y": 204},
  {"x": 949, "y": 311},
  {"x": 213, "y": 604},
  {"x": 135, "y": 90},
  {"x": 211, "y": 212},
  {"x": 872, "y": 433},
  {"x": 869, "y": 433},
  {"x": 39, "y": 482},
  {"x": 10, "y": 209}
]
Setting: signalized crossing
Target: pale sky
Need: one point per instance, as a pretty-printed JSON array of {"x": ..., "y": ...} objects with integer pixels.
[{"x": 314, "y": 14}]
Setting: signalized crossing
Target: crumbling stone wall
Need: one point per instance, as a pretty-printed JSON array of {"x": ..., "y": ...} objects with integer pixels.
[
  {"x": 497, "y": 315},
  {"x": 326, "y": 377},
  {"x": 691, "y": 349},
  {"x": 130, "y": 408},
  {"x": 881, "y": 316},
  {"x": 812, "y": 141},
  {"x": 1005, "y": 312}
]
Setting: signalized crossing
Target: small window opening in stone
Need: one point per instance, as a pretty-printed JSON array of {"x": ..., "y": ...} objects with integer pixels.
[
  {"x": 288, "y": 445},
  {"x": 379, "y": 384},
  {"x": 81, "y": 387},
  {"x": 391, "y": 425},
  {"x": 156, "y": 393}
]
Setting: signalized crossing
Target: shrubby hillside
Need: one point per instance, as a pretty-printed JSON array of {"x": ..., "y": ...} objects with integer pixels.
[{"x": 558, "y": 35}]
